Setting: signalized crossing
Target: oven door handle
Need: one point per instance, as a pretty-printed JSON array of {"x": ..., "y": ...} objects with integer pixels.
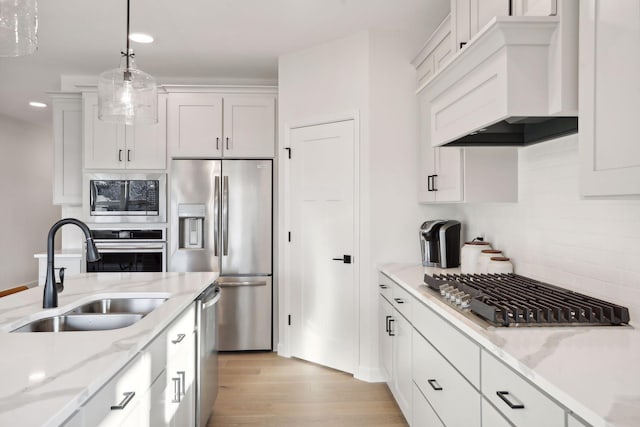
[{"x": 151, "y": 247}]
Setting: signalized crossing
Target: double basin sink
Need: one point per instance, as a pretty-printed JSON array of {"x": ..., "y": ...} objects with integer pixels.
[{"x": 97, "y": 315}]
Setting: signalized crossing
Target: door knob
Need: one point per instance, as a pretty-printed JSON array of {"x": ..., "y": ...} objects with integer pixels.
[{"x": 345, "y": 258}]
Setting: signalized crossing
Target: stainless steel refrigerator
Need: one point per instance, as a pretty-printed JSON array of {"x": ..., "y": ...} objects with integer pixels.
[{"x": 221, "y": 220}]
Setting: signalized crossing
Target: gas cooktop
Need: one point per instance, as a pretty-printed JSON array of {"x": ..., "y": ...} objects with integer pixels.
[{"x": 514, "y": 300}]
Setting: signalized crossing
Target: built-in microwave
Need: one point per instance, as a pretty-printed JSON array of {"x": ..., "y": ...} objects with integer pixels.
[{"x": 114, "y": 198}]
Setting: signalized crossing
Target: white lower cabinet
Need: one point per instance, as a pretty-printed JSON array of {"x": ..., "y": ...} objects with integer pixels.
[
  {"x": 423, "y": 414},
  {"x": 518, "y": 400},
  {"x": 491, "y": 417},
  {"x": 156, "y": 388},
  {"x": 445, "y": 388},
  {"x": 401, "y": 329},
  {"x": 385, "y": 340}
]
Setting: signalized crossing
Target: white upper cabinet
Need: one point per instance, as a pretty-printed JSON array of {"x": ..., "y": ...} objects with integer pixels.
[
  {"x": 472, "y": 15},
  {"x": 205, "y": 125},
  {"x": 116, "y": 146},
  {"x": 435, "y": 53},
  {"x": 195, "y": 124},
  {"x": 609, "y": 97},
  {"x": 67, "y": 143},
  {"x": 534, "y": 7}
]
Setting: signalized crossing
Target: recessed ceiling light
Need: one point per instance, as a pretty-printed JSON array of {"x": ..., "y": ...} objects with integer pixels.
[
  {"x": 37, "y": 104},
  {"x": 141, "y": 38}
]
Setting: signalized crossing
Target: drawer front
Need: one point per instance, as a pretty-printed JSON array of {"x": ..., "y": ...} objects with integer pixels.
[
  {"x": 491, "y": 417},
  {"x": 403, "y": 301},
  {"x": 423, "y": 414},
  {"x": 463, "y": 353},
  {"x": 120, "y": 396},
  {"x": 157, "y": 350},
  {"x": 385, "y": 286},
  {"x": 518, "y": 400},
  {"x": 180, "y": 330},
  {"x": 443, "y": 386}
]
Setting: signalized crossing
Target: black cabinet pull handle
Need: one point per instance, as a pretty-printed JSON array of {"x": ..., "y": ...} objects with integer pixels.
[
  {"x": 433, "y": 182},
  {"x": 384, "y": 287},
  {"x": 429, "y": 183},
  {"x": 119, "y": 155},
  {"x": 128, "y": 155},
  {"x": 503, "y": 395},
  {"x": 217, "y": 143},
  {"x": 388, "y": 326},
  {"x": 127, "y": 398},
  {"x": 462, "y": 44},
  {"x": 399, "y": 300},
  {"x": 434, "y": 385},
  {"x": 179, "y": 339},
  {"x": 345, "y": 258},
  {"x": 227, "y": 143},
  {"x": 391, "y": 334}
]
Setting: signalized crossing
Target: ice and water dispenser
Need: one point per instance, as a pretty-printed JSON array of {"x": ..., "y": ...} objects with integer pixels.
[{"x": 191, "y": 217}]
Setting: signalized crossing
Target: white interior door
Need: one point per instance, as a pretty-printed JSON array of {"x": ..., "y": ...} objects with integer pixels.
[{"x": 323, "y": 303}]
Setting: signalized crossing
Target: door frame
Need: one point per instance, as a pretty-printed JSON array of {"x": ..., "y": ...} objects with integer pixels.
[{"x": 284, "y": 221}]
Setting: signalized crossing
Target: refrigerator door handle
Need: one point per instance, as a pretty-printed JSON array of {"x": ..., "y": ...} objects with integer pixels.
[
  {"x": 225, "y": 216},
  {"x": 216, "y": 214}
]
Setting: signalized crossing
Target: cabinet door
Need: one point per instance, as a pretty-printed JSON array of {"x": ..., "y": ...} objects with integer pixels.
[
  {"x": 534, "y": 7},
  {"x": 448, "y": 179},
  {"x": 249, "y": 126},
  {"x": 147, "y": 144},
  {"x": 491, "y": 417},
  {"x": 483, "y": 11},
  {"x": 402, "y": 384},
  {"x": 194, "y": 125},
  {"x": 609, "y": 101},
  {"x": 67, "y": 150},
  {"x": 385, "y": 339},
  {"x": 461, "y": 12},
  {"x": 104, "y": 142},
  {"x": 427, "y": 155},
  {"x": 158, "y": 402}
]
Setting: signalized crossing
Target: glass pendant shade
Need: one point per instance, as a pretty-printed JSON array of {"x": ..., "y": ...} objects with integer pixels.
[
  {"x": 18, "y": 27},
  {"x": 127, "y": 95}
]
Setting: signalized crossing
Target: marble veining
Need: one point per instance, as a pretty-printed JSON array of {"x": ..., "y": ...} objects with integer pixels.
[
  {"x": 47, "y": 376},
  {"x": 593, "y": 371}
]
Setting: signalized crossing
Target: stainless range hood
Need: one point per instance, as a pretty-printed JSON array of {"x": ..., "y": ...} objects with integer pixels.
[{"x": 515, "y": 83}]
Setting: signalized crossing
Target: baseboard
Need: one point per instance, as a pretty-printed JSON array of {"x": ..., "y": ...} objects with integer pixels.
[
  {"x": 371, "y": 375},
  {"x": 283, "y": 351}
]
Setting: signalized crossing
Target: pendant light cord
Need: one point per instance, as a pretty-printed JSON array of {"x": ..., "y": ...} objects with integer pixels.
[{"x": 127, "y": 53}]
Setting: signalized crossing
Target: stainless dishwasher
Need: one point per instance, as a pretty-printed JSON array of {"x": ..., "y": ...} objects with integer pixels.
[{"x": 207, "y": 353}]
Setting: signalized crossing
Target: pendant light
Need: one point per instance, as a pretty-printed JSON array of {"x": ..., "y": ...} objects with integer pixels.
[
  {"x": 126, "y": 94},
  {"x": 18, "y": 27}
]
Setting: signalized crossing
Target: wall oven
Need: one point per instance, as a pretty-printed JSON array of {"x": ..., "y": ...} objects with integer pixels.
[
  {"x": 125, "y": 197},
  {"x": 129, "y": 250}
]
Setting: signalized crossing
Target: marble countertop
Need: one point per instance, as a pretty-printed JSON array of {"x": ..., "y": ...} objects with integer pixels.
[
  {"x": 47, "y": 376},
  {"x": 592, "y": 370}
]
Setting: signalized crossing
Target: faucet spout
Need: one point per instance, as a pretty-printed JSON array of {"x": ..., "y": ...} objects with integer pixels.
[{"x": 50, "y": 298}]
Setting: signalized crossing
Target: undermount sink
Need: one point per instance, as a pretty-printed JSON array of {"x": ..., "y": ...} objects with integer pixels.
[
  {"x": 99, "y": 315},
  {"x": 80, "y": 322},
  {"x": 142, "y": 306}
]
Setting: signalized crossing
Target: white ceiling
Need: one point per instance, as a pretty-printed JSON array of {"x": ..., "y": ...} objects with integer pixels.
[{"x": 196, "y": 41}]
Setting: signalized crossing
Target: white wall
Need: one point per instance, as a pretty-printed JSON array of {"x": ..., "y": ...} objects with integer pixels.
[
  {"x": 553, "y": 235},
  {"x": 26, "y": 176},
  {"x": 369, "y": 73}
]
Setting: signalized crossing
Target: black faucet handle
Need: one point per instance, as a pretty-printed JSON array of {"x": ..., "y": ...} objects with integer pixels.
[{"x": 60, "y": 284}]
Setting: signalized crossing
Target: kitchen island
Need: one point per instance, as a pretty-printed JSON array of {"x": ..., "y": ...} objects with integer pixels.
[
  {"x": 47, "y": 377},
  {"x": 573, "y": 376}
]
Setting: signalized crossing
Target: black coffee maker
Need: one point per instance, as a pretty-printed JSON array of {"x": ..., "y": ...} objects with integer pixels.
[{"x": 440, "y": 243}]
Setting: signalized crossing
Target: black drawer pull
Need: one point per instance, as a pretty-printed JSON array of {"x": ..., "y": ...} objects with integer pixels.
[
  {"x": 388, "y": 326},
  {"x": 391, "y": 334},
  {"x": 503, "y": 395},
  {"x": 434, "y": 385},
  {"x": 384, "y": 287},
  {"x": 399, "y": 300},
  {"x": 127, "y": 398},
  {"x": 179, "y": 339}
]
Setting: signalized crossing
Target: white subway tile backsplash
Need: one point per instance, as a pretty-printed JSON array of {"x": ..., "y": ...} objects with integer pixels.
[{"x": 552, "y": 234}]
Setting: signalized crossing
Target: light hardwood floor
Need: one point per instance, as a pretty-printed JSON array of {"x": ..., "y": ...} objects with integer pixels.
[{"x": 263, "y": 389}]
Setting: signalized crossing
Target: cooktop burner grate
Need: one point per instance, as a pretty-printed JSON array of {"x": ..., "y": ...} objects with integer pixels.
[{"x": 510, "y": 299}]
